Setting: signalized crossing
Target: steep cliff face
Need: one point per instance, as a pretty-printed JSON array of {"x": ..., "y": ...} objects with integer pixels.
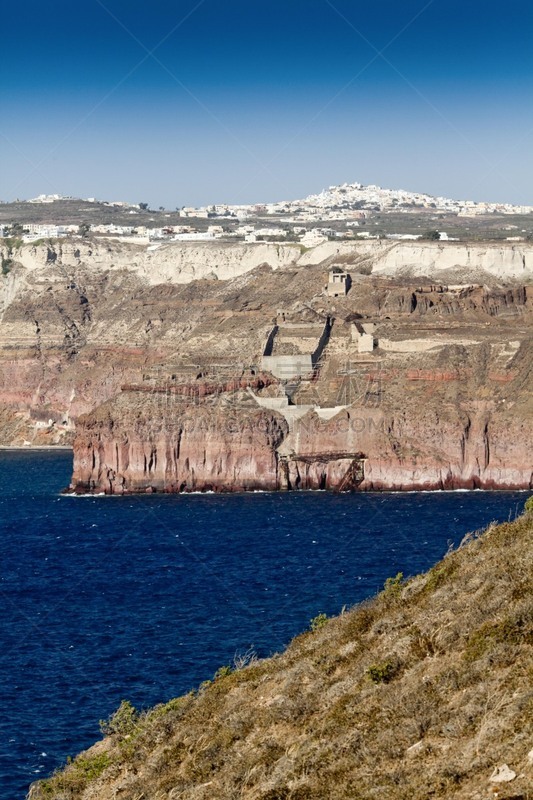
[
  {"x": 71, "y": 336},
  {"x": 183, "y": 262},
  {"x": 427, "y": 258},
  {"x": 176, "y": 262},
  {"x": 444, "y": 448},
  {"x": 142, "y": 442},
  {"x": 81, "y": 319},
  {"x": 165, "y": 443},
  {"x": 430, "y": 258}
]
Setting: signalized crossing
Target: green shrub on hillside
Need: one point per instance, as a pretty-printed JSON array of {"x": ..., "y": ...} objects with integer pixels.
[
  {"x": 382, "y": 672},
  {"x": 79, "y": 773},
  {"x": 122, "y": 722},
  {"x": 318, "y": 622},
  {"x": 393, "y": 586},
  {"x": 222, "y": 672}
]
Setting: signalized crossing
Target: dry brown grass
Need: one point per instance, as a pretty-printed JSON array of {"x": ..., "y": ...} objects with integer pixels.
[{"x": 419, "y": 693}]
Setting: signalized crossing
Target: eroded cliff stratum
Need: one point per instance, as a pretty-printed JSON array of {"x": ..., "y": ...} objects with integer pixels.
[{"x": 225, "y": 367}]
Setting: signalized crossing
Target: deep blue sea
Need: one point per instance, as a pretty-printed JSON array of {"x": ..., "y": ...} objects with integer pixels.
[{"x": 144, "y": 597}]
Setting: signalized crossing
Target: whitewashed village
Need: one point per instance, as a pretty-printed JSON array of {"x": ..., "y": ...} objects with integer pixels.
[{"x": 349, "y": 207}]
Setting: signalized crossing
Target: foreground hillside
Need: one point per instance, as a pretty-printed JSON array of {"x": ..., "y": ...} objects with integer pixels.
[{"x": 424, "y": 691}]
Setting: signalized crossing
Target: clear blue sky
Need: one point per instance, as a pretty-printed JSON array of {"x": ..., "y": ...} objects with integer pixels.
[{"x": 189, "y": 102}]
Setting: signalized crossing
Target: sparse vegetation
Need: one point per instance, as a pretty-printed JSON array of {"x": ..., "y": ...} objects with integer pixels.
[
  {"x": 122, "y": 722},
  {"x": 11, "y": 243},
  {"x": 318, "y": 622},
  {"x": 7, "y": 264},
  {"x": 383, "y": 672},
  {"x": 245, "y": 659},
  {"x": 16, "y": 230},
  {"x": 393, "y": 586},
  {"x": 80, "y": 772},
  {"x": 84, "y": 229},
  {"x": 419, "y": 692},
  {"x": 222, "y": 672}
]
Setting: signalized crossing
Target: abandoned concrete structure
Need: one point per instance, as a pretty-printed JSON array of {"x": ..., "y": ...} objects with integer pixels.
[
  {"x": 305, "y": 341},
  {"x": 285, "y": 367},
  {"x": 339, "y": 282},
  {"x": 363, "y": 336}
]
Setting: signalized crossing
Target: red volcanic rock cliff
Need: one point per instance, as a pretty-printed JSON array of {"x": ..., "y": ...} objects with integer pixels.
[
  {"x": 457, "y": 451},
  {"x": 415, "y": 450},
  {"x": 442, "y": 397},
  {"x": 154, "y": 442},
  {"x": 145, "y": 443}
]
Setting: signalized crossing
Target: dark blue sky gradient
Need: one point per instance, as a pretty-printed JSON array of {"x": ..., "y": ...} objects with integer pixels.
[{"x": 189, "y": 102}]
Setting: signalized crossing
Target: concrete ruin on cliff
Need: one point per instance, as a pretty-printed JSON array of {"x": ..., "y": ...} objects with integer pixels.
[{"x": 339, "y": 282}]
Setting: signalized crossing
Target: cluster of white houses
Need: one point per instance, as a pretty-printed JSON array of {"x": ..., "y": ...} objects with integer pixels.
[
  {"x": 308, "y": 237},
  {"x": 304, "y": 221},
  {"x": 182, "y": 233},
  {"x": 34, "y": 231}
]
